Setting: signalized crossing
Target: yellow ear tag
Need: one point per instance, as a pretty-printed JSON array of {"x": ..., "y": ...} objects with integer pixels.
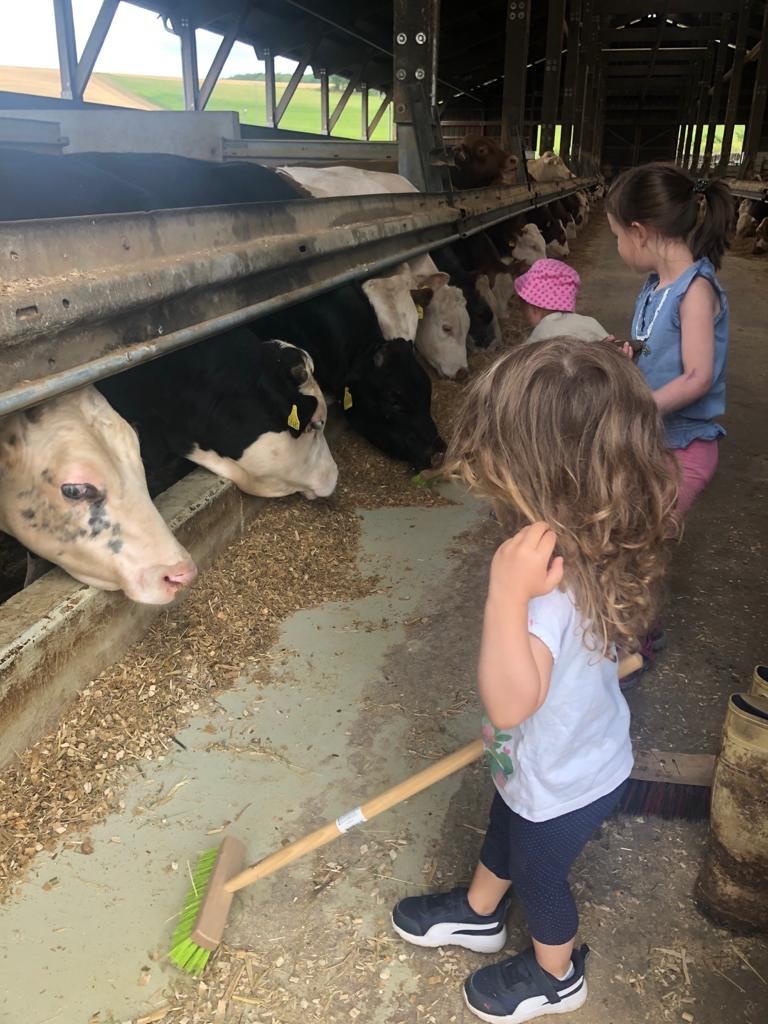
[
  {"x": 293, "y": 419},
  {"x": 420, "y": 312},
  {"x": 347, "y": 399}
]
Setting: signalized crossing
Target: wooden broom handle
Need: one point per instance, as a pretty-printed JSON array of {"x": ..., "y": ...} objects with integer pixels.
[{"x": 383, "y": 802}]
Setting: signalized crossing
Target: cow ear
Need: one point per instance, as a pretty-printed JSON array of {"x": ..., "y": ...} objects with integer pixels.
[
  {"x": 421, "y": 296},
  {"x": 300, "y": 415},
  {"x": 433, "y": 281}
]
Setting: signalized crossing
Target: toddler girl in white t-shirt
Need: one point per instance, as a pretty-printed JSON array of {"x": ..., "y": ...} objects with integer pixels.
[{"x": 565, "y": 436}]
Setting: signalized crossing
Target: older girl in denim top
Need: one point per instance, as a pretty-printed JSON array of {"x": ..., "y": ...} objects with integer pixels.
[{"x": 676, "y": 229}]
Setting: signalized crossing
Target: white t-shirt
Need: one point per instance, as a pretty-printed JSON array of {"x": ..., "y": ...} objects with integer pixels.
[
  {"x": 576, "y": 747},
  {"x": 568, "y": 325}
]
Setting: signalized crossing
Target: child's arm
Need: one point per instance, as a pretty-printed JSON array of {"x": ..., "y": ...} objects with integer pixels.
[
  {"x": 697, "y": 329},
  {"x": 515, "y": 667}
]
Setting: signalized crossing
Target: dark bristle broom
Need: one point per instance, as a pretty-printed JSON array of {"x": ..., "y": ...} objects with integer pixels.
[{"x": 218, "y": 874}]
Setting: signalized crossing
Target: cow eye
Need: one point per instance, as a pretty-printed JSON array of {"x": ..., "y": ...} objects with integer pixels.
[{"x": 81, "y": 492}]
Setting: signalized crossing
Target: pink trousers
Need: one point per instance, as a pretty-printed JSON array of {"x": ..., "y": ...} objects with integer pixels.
[{"x": 697, "y": 463}]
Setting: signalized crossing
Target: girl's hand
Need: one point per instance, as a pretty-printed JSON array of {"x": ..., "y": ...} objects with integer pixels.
[
  {"x": 625, "y": 346},
  {"x": 523, "y": 567}
]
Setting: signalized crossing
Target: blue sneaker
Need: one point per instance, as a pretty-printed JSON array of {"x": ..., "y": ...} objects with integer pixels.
[
  {"x": 518, "y": 989},
  {"x": 446, "y": 919}
]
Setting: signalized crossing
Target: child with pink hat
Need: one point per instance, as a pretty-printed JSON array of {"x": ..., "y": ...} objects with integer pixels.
[{"x": 549, "y": 291}]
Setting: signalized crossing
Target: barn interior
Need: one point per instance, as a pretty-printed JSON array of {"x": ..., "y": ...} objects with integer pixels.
[{"x": 328, "y": 649}]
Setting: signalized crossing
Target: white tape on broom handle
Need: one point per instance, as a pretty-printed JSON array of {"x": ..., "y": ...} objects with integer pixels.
[{"x": 347, "y": 821}]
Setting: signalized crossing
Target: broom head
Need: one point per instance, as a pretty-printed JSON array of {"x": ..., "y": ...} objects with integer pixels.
[{"x": 206, "y": 907}]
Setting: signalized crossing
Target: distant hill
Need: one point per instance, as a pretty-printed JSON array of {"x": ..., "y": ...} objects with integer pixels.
[{"x": 46, "y": 82}]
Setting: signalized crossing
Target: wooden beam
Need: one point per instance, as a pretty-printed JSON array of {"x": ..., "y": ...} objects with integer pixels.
[
  {"x": 735, "y": 84},
  {"x": 714, "y": 106},
  {"x": 569, "y": 82},
  {"x": 757, "y": 112},
  {"x": 639, "y": 8},
  {"x": 552, "y": 73}
]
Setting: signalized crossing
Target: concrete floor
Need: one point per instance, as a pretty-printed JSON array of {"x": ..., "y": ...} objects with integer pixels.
[{"x": 361, "y": 695}]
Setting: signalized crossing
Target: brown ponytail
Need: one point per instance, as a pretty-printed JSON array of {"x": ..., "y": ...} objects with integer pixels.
[{"x": 663, "y": 197}]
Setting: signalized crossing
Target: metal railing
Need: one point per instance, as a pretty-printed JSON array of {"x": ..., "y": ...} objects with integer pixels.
[{"x": 87, "y": 297}]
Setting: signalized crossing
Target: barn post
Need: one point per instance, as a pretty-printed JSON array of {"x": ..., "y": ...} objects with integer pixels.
[
  {"x": 270, "y": 118},
  {"x": 582, "y": 82},
  {"x": 65, "y": 40},
  {"x": 386, "y": 99},
  {"x": 325, "y": 108},
  {"x": 293, "y": 83},
  {"x": 716, "y": 91},
  {"x": 571, "y": 74},
  {"x": 552, "y": 74},
  {"x": 692, "y": 113},
  {"x": 345, "y": 97},
  {"x": 706, "y": 77},
  {"x": 515, "y": 67},
  {"x": 364, "y": 111},
  {"x": 734, "y": 86},
  {"x": 189, "y": 71},
  {"x": 593, "y": 91},
  {"x": 417, "y": 131},
  {"x": 757, "y": 110}
]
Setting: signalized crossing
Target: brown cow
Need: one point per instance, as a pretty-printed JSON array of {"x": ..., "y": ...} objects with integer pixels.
[{"x": 480, "y": 162}]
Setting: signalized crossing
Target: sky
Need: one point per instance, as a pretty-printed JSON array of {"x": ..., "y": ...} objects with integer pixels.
[{"x": 137, "y": 42}]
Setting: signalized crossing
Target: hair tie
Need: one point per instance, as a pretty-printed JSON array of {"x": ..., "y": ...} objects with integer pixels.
[{"x": 700, "y": 186}]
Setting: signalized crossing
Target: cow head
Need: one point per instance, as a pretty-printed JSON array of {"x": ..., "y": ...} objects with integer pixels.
[
  {"x": 443, "y": 330},
  {"x": 480, "y": 162},
  {"x": 73, "y": 491},
  {"x": 387, "y": 399},
  {"x": 262, "y": 426}
]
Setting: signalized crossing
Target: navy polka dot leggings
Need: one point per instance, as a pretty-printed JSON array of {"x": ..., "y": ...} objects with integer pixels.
[{"x": 537, "y": 857}]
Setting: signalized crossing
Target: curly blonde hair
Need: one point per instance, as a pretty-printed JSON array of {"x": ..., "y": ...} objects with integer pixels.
[{"x": 567, "y": 432}]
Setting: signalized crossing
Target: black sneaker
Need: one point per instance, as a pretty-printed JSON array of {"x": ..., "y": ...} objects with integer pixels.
[
  {"x": 446, "y": 919},
  {"x": 518, "y": 989}
]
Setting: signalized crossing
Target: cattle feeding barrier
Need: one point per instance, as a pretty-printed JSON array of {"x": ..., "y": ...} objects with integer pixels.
[{"x": 85, "y": 298}]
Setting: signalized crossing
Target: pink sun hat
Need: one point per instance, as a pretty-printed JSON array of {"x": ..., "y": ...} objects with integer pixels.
[{"x": 549, "y": 284}]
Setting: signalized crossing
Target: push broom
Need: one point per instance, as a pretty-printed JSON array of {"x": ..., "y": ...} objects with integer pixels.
[{"x": 218, "y": 874}]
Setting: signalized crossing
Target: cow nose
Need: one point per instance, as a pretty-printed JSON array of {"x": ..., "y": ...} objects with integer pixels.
[
  {"x": 180, "y": 575},
  {"x": 462, "y": 374},
  {"x": 436, "y": 460}
]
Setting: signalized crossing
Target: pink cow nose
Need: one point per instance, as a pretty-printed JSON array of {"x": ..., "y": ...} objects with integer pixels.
[{"x": 180, "y": 575}]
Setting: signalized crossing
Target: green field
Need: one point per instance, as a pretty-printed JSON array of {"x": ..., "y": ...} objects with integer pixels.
[{"x": 247, "y": 99}]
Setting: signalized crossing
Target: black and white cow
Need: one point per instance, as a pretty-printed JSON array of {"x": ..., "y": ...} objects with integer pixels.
[
  {"x": 247, "y": 410},
  {"x": 383, "y": 390}
]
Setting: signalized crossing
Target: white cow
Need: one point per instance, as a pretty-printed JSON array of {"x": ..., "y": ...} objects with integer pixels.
[
  {"x": 440, "y": 330},
  {"x": 530, "y": 245},
  {"x": 73, "y": 491},
  {"x": 549, "y": 167}
]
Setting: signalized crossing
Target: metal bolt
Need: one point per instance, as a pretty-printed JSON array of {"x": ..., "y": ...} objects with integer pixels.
[
  {"x": 401, "y": 108},
  {"x": 402, "y": 38},
  {"x": 420, "y": 73},
  {"x": 400, "y": 74},
  {"x": 421, "y": 38}
]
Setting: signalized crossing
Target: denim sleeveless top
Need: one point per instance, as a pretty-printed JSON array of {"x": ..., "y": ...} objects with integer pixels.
[{"x": 657, "y": 323}]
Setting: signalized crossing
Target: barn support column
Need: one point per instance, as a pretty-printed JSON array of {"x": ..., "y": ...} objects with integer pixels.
[
  {"x": 706, "y": 77},
  {"x": 586, "y": 46},
  {"x": 734, "y": 86},
  {"x": 344, "y": 99},
  {"x": 65, "y": 40},
  {"x": 293, "y": 83},
  {"x": 186, "y": 33},
  {"x": 518, "y": 22},
  {"x": 552, "y": 74},
  {"x": 757, "y": 110},
  {"x": 269, "y": 90},
  {"x": 592, "y": 94},
  {"x": 325, "y": 107},
  {"x": 691, "y": 116},
  {"x": 75, "y": 74},
  {"x": 716, "y": 93},
  {"x": 418, "y": 135},
  {"x": 571, "y": 74}
]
